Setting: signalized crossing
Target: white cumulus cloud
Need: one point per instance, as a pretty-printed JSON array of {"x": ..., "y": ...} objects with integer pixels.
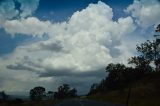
[
  {"x": 146, "y": 12},
  {"x": 90, "y": 39},
  {"x": 29, "y": 26},
  {"x": 9, "y": 10},
  {"x": 87, "y": 42},
  {"x": 28, "y": 7}
]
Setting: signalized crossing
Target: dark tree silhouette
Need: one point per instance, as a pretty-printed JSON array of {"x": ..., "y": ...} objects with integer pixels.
[
  {"x": 142, "y": 66},
  {"x": 50, "y": 95},
  {"x": 37, "y": 93},
  {"x": 65, "y": 91},
  {"x": 94, "y": 88},
  {"x": 73, "y": 93},
  {"x": 158, "y": 28},
  {"x": 157, "y": 47},
  {"x": 3, "y": 96},
  {"x": 148, "y": 53},
  {"x": 115, "y": 75},
  {"x": 121, "y": 77}
]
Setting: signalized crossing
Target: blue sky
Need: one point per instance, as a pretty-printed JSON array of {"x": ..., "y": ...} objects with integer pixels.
[
  {"x": 51, "y": 42},
  {"x": 63, "y": 9}
]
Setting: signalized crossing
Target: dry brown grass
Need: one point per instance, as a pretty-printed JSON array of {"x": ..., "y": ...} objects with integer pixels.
[{"x": 143, "y": 94}]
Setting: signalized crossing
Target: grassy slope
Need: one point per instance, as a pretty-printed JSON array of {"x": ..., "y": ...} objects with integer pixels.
[{"x": 145, "y": 92}]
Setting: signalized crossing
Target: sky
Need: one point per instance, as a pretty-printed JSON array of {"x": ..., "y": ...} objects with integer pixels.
[{"x": 51, "y": 42}]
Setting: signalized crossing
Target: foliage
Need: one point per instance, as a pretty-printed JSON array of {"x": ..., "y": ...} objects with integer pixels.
[
  {"x": 148, "y": 53},
  {"x": 50, "y": 95},
  {"x": 94, "y": 88},
  {"x": 65, "y": 91},
  {"x": 4, "y": 96},
  {"x": 37, "y": 93},
  {"x": 145, "y": 92},
  {"x": 120, "y": 76}
]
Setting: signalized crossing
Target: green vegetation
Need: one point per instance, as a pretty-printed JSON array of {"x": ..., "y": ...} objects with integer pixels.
[
  {"x": 145, "y": 92},
  {"x": 37, "y": 93},
  {"x": 133, "y": 86},
  {"x": 39, "y": 97},
  {"x": 65, "y": 92}
]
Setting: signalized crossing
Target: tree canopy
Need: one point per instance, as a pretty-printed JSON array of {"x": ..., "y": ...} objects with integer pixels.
[
  {"x": 37, "y": 93},
  {"x": 65, "y": 91},
  {"x": 120, "y": 76}
]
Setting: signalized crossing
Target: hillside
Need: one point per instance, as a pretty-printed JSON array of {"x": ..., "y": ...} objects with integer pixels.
[{"x": 144, "y": 92}]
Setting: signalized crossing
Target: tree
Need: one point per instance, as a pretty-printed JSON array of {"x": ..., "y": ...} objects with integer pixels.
[
  {"x": 142, "y": 66},
  {"x": 119, "y": 77},
  {"x": 37, "y": 93},
  {"x": 157, "y": 48},
  {"x": 115, "y": 75},
  {"x": 3, "y": 96},
  {"x": 93, "y": 89},
  {"x": 158, "y": 28},
  {"x": 147, "y": 50},
  {"x": 65, "y": 91},
  {"x": 50, "y": 95},
  {"x": 148, "y": 53},
  {"x": 73, "y": 93}
]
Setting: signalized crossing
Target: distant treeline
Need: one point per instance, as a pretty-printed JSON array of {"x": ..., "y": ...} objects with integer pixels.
[
  {"x": 39, "y": 93},
  {"x": 64, "y": 91}
]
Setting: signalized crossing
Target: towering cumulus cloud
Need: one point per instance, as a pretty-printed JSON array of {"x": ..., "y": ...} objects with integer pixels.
[
  {"x": 89, "y": 40},
  {"x": 79, "y": 47}
]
